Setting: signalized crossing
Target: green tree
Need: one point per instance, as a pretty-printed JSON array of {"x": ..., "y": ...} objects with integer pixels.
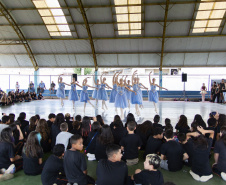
[
  {"x": 88, "y": 71},
  {"x": 77, "y": 71}
]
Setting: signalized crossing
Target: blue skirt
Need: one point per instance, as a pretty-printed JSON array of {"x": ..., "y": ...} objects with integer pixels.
[
  {"x": 73, "y": 95},
  {"x": 128, "y": 94},
  {"x": 113, "y": 95},
  {"x": 84, "y": 97},
  {"x": 136, "y": 99},
  {"x": 94, "y": 95},
  {"x": 153, "y": 96},
  {"x": 102, "y": 94},
  {"x": 60, "y": 93},
  {"x": 121, "y": 101}
]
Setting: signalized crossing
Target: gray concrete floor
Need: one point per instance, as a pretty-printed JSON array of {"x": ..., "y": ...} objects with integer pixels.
[{"x": 166, "y": 109}]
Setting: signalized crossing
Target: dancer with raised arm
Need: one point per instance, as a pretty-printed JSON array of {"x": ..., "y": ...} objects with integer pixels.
[
  {"x": 84, "y": 97},
  {"x": 121, "y": 98},
  {"x": 61, "y": 90},
  {"x": 153, "y": 94},
  {"x": 114, "y": 90},
  {"x": 102, "y": 93},
  {"x": 128, "y": 93},
  {"x": 136, "y": 96},
  {"x": 203, "y": 92},
  {"x": 141, "y": 86},
  {"x": 73, "y": 95},
  {"x": 97, "y": 85}
]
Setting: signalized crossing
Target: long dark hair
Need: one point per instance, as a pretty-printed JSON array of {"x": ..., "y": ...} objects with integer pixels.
[
  {"x": 7, "y": 135},
  {"x": 130, "y": 117},
  {"x": 86, "y": 126},
  {"x": 32, "y": 147},
  {"x": 32, "y": 124},
  {"x": 223, "y": 132},
  {"x": 222, "y": 120},
  {"x": 198, "y": 119},
  {"x": 106, "y": 136},
  {"x": 117, "y": 118},
  {"x": 12, "y": 118},
  {"x": 183, "y": 121},
  {"x": 59, "y": 119},
  {"x": 43, "y": 129},
  {"x": 100, "y": 120},
  {"x": 15, "y": 132},
  {"x": 145, "y": 127},
  {"x": 22, "y": 116}
]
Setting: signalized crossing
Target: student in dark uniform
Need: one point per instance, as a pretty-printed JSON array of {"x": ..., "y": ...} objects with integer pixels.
[{"x": 222, "y": 88}]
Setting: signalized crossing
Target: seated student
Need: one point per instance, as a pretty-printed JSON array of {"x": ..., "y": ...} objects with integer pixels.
[
  {"x": 51, "y": 120},
  {"x": 53, "y": 171},
  {"x": 40, "y": 96},
  {"x": 91, "y": 140},
  {"x": 187, "y": 144},
  {"x": 212, "y": 123},
  {"x": 201, "y": 170},
  {"x": 172, "y": 153},
  {"x": 156, "y": 122},
  {"x": 68, "y": 121},
  {"x": 75, "y": 163},
  {"x": 8, "y": 161},
  {"x": 182, "y": 125},
  {"x": 118, "y": 120},
  {"x": 76, "y": 127},
  {"x": 64, "y": 136},
  {"x": 150, "y": 174},
  {"x": 131, "y": 144},
  {"x": 5, "y": 123},
  {"x": 43, "y": 129},
  {"x": 32, "y": 154},
  {"x": 108, "y": 169},
  {"x": 118, "y": 131},
  {"x": 168, "y": 124},
  {"x": 219, "y": 167},
  {"x": 105, "y": 137},
  {"x": 154, "y": 142}
]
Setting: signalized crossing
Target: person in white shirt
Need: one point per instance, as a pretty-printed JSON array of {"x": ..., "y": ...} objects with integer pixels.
[
  {"x": 17, "y": 87},
  {"x": 64, "y": 136}
]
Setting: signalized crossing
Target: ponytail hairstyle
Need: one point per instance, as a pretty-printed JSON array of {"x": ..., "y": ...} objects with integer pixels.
[{"x": 223, "y": 134}]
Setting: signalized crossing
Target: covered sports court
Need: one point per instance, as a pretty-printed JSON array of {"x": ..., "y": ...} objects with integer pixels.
[{"x": 114, "y": 35}]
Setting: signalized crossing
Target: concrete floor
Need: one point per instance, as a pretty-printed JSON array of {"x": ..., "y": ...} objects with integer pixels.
[{"x": 167, "y": 109}]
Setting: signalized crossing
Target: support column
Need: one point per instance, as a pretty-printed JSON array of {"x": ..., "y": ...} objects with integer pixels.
[
  {"x": 160, "y": 81},
  {"x": 36, "y": 79}
]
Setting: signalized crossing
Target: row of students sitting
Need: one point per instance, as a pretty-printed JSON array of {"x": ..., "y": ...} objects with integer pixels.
[{"x": 104, "y": 136}]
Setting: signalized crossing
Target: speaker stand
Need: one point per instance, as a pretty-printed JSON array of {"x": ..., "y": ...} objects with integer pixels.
[{"x": 183, "y": 94}]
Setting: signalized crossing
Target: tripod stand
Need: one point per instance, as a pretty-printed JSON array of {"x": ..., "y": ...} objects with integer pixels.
[{"x": 184, "y": 94}]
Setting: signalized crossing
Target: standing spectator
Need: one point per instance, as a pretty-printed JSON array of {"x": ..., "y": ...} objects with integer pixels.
[
  {"x": 41, "y": 87},
  {"x": 217, "y": 94},
  {"x": 213, "y": 91},
  {"x": 52, "y": 88},
  {"x": 222, "y": 87},
  {"x": 17, "y": 87},
  {"x": 31, "y": 87}
]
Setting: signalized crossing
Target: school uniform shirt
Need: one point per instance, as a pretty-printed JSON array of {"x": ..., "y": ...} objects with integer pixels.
[
  {"x": 49, "y": 123},
  {"x": 153, "y": 146},
  {"x": 111, "y": 173},
  {"x": 188, "y": 148},
  {"x": 118, "y": 134},
  {"x": 31, "y": 165},
  {"x": 174, "y": 154},
  {"x": 6, "y": 152},
  {"x": 74, "y": 165},
  {"x": 200, "y": 161},
  {"x": 55, "y": 130},
  {"x": 146, "y": 177},
  {"x": 131, "y": 142},
  {"x": 63, "y": 138},
  {"x": 157, "y": 125},
  {"x": 184, "y": 130},
  {"x": 100, "y": 150},
  {"x": 144, "y": 136},
  {"x": 220, "y": 148},
  {"x": 50, "y": 173},
  {"x": 92, "y": 144}
]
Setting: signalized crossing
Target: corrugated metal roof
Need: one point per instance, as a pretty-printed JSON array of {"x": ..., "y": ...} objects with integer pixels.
[{"x": 111, "y": 50}]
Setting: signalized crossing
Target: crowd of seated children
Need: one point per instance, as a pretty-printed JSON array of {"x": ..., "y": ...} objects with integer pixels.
[{"x": 114, "y": 147}]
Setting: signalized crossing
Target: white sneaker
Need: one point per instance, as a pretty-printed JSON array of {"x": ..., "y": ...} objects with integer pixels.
[
  {"x": 11, "y": 169},
  {"x": 206, "y": 178},
  {"x": 195, "y": 176},
  {"x": 223, "y": 175},
  {"x": 6, "y": 176}
]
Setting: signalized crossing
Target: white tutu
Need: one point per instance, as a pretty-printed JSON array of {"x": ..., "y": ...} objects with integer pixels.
[{"x": 203, "y": 92}]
